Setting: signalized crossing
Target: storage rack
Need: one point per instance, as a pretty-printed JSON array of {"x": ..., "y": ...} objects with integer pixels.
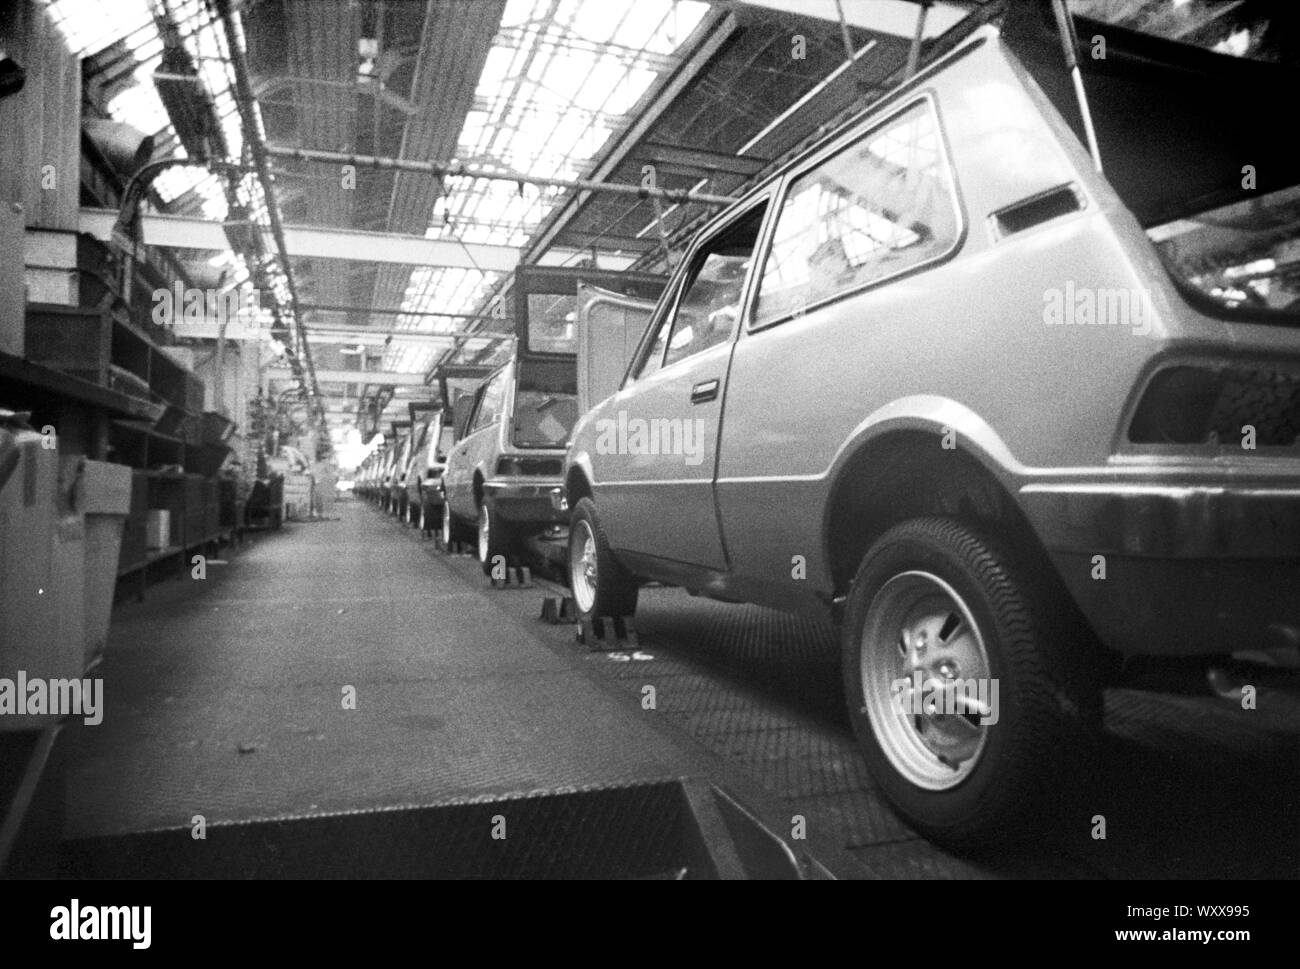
[{"x": 149, "y": 415}]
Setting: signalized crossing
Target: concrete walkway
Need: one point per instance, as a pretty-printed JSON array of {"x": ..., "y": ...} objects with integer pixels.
[{"x": 225, "y": 697}]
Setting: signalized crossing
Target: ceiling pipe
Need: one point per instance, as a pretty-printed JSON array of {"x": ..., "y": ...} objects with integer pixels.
[
  {"x": 396, "y": 311},
  {"x": 456, "y": 169}
]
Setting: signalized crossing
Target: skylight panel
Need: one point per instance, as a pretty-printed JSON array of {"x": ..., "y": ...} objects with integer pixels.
[
  {"x": 91, "y": 25},
  {"x": 551, "y": 94}
]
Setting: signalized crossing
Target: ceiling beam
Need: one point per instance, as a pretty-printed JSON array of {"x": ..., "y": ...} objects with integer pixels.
[
  {"x": 356, "y": 245},
  {"x": 184, "y": 232},
  {"x": 896, "y": 17},
  {"x": 700, "y": 160},
  {"x": 379, "y": 337},
  {"x": 391, "y": 311},
  {"x": 386, "y": 378}
]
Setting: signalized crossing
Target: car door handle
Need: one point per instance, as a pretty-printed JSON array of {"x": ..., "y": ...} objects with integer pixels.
[{"x": 708, "y": 390}]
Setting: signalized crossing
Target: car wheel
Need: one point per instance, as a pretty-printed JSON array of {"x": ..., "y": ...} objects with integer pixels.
[
  {"x": 494, "y": 537},
  {"x": 452, "y": 530},
  {"x": 601, "y": 586},
  {"x": 963, "y": 685}
]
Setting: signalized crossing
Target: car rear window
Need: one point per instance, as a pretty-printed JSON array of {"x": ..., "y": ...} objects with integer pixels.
[
  {"x": 546, "y": 403},
  {"x": 1244, "y": 257}
]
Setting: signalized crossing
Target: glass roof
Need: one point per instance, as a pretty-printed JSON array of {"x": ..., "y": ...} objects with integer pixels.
[
  {"x": 559, "y": 81},
  {"x": 552, "y": 93}
]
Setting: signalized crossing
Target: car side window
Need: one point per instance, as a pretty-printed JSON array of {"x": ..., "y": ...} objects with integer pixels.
[
  {"x": 882, "y": 204},
  {"x": 489, "y": 405},
  {"x": 710, "y": 302}
]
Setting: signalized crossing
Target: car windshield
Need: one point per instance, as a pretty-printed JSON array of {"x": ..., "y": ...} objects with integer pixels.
[{"x": 1244, "y": 257}]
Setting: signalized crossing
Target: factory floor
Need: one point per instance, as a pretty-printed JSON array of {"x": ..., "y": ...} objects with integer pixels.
[
  {"x": 229, "y": 698},
  {"x": 339, "y": 667}
]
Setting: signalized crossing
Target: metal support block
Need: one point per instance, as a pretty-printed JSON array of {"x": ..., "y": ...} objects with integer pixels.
[
  {"x": 608, "y": 633},
  {"x": 559, "y": 610},
  {"x": 516, "y": 577}
]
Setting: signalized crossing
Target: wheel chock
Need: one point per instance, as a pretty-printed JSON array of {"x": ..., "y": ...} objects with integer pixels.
[
  {"x": 514, "y": 577},
  {"x": 559, "y": 610},
  {"x": 608, "y": 633}
]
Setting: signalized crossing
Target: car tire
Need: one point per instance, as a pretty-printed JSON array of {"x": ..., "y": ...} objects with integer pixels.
[
  {"x": 934, "y": 602},
  {"x": 453, "y": 531},
  {"x": 600, "y": 585},
  {"x": 495, "y": 537}
]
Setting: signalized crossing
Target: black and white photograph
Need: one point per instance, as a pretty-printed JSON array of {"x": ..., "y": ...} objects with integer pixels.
[{"x": 650, "y": 440}]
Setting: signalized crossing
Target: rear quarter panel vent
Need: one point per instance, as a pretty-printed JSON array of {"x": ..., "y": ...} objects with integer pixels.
[{"x": 1035, "y": 210}]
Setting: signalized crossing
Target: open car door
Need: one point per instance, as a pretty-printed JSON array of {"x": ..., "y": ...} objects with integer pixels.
[{"x": 609, "y": 328}]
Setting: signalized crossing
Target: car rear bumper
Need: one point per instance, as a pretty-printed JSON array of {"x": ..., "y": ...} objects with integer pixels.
[
  {"x": 527, "y": 502},
  {"x": 1176, "y": 569}
]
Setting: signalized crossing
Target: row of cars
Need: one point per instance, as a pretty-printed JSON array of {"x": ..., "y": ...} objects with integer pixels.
[
  {"x": 1000, "y": 417},
  {"x": 405, "y": 478},
  {"x": 492, "y": 477}
]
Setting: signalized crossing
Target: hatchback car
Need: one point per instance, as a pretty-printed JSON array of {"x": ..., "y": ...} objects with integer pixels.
[
  {"x": 504, "y": 476},
  {"x": 424, "y": 497},
  {"x": 396, "y": 481},
  {"x": 998, "y": 415}
]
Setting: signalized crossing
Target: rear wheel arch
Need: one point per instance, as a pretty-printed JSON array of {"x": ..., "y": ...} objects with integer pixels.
[
  {"x": 907, "y": 474},
  {"x": 576, "y": 486}
]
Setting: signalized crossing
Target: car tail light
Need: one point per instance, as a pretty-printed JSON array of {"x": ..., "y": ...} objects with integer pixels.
[{"x": 1204, "y": 404}]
